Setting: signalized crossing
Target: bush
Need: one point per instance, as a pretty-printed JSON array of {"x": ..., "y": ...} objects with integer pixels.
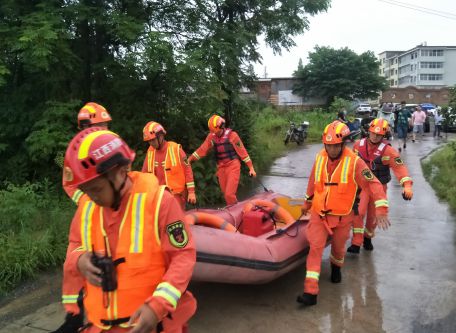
[{"x": 33, "y": 231}]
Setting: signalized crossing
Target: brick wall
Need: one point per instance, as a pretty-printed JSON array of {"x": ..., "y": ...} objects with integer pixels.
[{"x": 414, "y": 95}]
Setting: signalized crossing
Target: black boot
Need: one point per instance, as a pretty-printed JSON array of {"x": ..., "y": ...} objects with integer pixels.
[
  {"x": 367, "y": 244},
  {"x": 353, "y": 249},
  {"x": 71, "y": 324},
  {"x": 307, "y": 299},
  {"x": 336, "y": 275}
]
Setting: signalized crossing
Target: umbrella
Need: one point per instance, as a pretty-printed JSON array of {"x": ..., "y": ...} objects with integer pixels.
[{"x": 427, "y": 106}]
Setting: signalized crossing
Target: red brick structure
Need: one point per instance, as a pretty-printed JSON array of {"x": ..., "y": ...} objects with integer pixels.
[{"x": 414, "y": 95}]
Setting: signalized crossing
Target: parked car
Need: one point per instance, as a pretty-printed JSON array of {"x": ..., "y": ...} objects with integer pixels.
[{"x": 363, "y": 108}]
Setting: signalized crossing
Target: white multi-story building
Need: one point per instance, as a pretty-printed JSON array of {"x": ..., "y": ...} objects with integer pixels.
[{"x": 423, "y": 67}]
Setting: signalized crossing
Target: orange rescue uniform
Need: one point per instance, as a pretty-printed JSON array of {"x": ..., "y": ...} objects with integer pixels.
[
  {"x": 332, "y": 189},
  {"x": 169, "y": 164},
  {"x": 380, "y": 159},
  {"x": 158, "y": 250},
  {"x": 229, "y": 150}
]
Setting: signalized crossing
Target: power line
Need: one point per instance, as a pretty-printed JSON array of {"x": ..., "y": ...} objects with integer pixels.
[{"x": 446, "y": 15}]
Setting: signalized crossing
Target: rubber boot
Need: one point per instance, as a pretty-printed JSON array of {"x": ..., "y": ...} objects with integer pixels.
[
  {"x": 367, "y": 244},
  {"x": 307, "y": 299},
  {"x": 71, "y": 324},
  {"x": 336, "y": 275},
  {"x": 353, "y": 249}
]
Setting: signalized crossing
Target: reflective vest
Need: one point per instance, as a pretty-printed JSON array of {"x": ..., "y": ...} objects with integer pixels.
[
  {"x": 335, "y": 195},
  {"x": 375, "y": 162},
  {"x": 173, "y": 168},
  {"x": 138, "y": 245},
  {"x": 224, "y": 150}
]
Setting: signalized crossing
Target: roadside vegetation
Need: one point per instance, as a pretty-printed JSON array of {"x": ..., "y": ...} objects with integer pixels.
[{"x": 440, "y": 171}]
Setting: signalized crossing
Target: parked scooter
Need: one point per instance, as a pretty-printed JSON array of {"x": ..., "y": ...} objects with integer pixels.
[{"x": 297, "y": 134}]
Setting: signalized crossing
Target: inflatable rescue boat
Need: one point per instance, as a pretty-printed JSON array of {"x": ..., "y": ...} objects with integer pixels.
[{"x": 252, "y": 242}]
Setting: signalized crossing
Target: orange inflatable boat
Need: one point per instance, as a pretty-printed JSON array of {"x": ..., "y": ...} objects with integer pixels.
[{"x": 252, "y": 242}]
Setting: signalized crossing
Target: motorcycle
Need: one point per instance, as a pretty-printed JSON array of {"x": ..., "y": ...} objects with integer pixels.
[{"x": 297, "y": 134}]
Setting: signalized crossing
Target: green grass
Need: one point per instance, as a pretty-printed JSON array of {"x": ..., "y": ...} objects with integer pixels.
[
  {"x": 439, "y": 170},
  {"x": 269, "y": 131}
]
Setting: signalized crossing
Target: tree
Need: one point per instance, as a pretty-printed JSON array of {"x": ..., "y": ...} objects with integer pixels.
[
  {"x": 340, "y": 73},
  {"x": 225, "y": 34}
]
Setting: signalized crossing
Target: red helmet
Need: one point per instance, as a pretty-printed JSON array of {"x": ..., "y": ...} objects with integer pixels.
[
  {"x": 335, "y": 133},
  {"x": 93, "y": 152},
  {"x": 151, "y": 130},
  {"x": 379, "y": 126},
  {"x": 91, "y": 114},
  {"x": 215, "y": 123}
]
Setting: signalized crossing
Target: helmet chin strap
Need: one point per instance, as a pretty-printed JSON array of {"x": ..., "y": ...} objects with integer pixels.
[{"x": 117, "y": 198}]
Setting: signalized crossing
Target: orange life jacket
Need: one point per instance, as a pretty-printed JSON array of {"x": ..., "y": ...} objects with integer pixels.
[
  {"x": 224, "y": 150},
  {"x": 335, "y": 196},
  {"x": 138, "y": 244},
  {"x": 173, "y": 168}
]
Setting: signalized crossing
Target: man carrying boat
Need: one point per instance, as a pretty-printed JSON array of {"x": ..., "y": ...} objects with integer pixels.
[
  {"x": 229, "y": 150},
  {"x": 168, "y": 162},
  {"x": 330, "y": 197},
  {"x": 380, "y": 156},
  {"x": 127, "y": 241}
]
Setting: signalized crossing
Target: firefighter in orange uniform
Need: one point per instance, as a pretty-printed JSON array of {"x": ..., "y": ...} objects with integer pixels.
[
  {"x": 336, "y": 175},
  {"x": 127, "y": 240},
  {"x": 90, "y": 115},
  {"x": 229, "y": 150},
  {"x": 380, "y": 156},
  {"x": 168, "y": 162}
]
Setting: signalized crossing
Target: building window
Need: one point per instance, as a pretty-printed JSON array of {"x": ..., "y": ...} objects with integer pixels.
[
  {"x": 428, "y": 96},
  {"x": 432, "y": 53},
  {"x": 393, "y": 96},
  {"x": 410, "y": 96},
  {"x": 431, "y": 77},
  {"x": 430, "y": 64}
]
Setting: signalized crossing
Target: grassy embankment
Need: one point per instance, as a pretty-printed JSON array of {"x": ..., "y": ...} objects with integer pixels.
[
  {"x": 35, "y": 219},
  {"x": 440, "y": 171}
]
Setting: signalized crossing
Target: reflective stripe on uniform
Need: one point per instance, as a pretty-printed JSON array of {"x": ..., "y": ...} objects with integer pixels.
[
  {"x": 405, "y": 179},
  {"x": 76, "y": 196},
  {"x": 190, "y": 184},
  {"x": 86, "y": 225},
  {"x": 312, "y": 275},
  {"x": 168, "y": 292},
  {"x": 385, "y": 158},
  {"x": 137, "y": 216},
  {"x": 196, "y": 155},
  {"x": 247, "y": 159},
  {"x": 358, "y": 230},
  {"x": 345, "y": 166},
  {"x": 338, "y": 261},
  {"x": 381, "y": 203},
  {"x": 70, "y": 299}
]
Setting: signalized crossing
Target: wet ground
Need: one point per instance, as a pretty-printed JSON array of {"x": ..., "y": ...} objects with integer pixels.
[{"x": 407, "y": 284}]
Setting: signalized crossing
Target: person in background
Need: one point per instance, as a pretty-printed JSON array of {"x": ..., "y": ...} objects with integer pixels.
[
  {"x": 168, "y": 162},
  {"x": 330, "y": 197},
  {"x": 438, "y": 122},
  {"x": 418, "y": 119},
  {"x": 403, "y": 117},
  {"x": 229, "y": 150}
]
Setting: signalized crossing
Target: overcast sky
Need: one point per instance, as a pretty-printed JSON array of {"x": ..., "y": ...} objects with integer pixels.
[{"x": 364, "y": 25}]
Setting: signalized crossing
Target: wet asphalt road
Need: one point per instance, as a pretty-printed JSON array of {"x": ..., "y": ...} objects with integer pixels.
[{"x": 407, "y": 284}]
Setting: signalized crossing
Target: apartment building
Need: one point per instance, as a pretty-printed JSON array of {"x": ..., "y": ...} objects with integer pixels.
[{"x": 430, "y": 67}]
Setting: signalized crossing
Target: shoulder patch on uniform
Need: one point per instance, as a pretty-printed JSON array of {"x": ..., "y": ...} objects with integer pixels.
[
  {"x": 399, "y": 161},
  {"x": 177, "y": 234},
  {"x": 239, "y": 144},
  {"x": 367, "y": 174}
]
